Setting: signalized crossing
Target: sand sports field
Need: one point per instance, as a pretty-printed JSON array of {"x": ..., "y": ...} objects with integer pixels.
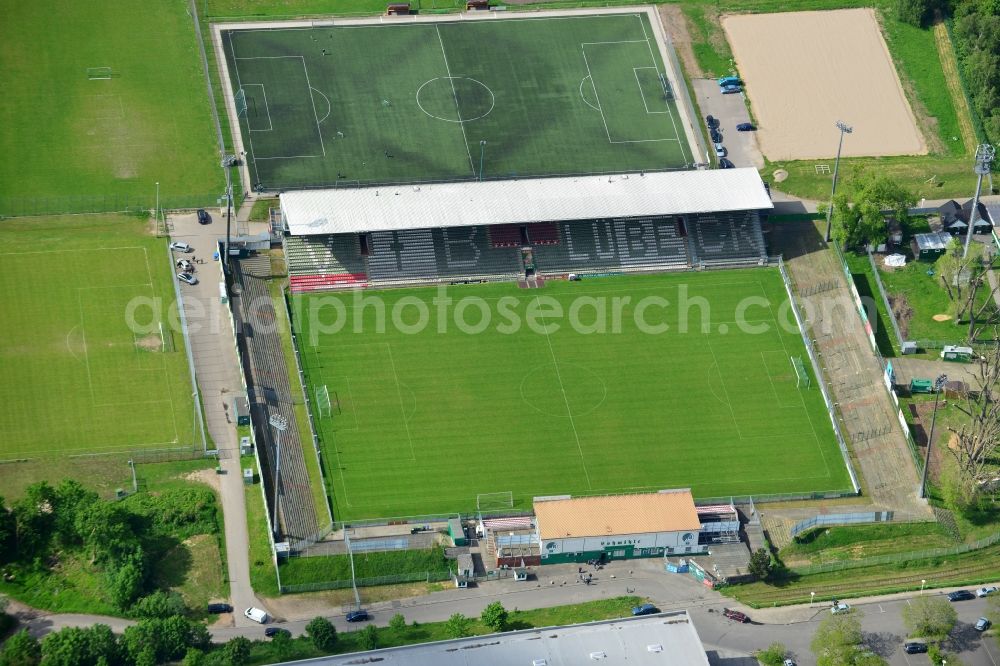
[{"x": 804, "y": 71}]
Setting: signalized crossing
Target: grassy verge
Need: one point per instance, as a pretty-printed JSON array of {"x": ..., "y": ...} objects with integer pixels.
[
  {"x": 861, "y": 272},
  {"x": 302, "y": 648},
  {"x": 303, "y": 570},
  {"x": 261, "y": 207},
  {"x": 965, "y": 569},
  {"x": 262, "y": 574},
  {"x": 316, "y": 484},
  {"x": 708, "y": 42},
  {"x": 253, "y": 9},
  {"x": 834, "y": 544}
]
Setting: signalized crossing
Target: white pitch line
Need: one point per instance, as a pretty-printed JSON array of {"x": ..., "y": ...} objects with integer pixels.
[
  {"x": 402, "y": 410},
  {"x": 458, "y": 110},
  {"x": 313, "y": 102},
  {"x": 673, "y": 122},
  {"x": 239, "y": 85},
  {"x": 600, "y": 107},
  {"x": 270, "y": 125}
]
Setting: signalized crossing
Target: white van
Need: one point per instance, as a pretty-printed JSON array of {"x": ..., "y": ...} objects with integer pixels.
[{"x": 257, "y": 615}]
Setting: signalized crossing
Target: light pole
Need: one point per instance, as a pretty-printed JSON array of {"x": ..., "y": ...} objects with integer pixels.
[
  {"x": 156, "y": 211},
  {"x": 350, "y": 555},
  {"x": 135, "y": 481},
  {"x": 812, "y": 598},
  {"x": 482, "y": 155},
  {"x": 279, "y": 423},
  {"x": 938, "y": 384},
  {"x": 922, "y": 583},
  {"x": 984, "y": 156},
  {"x": 844, "y": 129}
]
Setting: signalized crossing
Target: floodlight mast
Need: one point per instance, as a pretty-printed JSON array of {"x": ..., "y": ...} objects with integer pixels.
[
  {"x": 279, "y": 423},
  {"x": 844, "y": 129},
  {"x": 984, "y": 157}
]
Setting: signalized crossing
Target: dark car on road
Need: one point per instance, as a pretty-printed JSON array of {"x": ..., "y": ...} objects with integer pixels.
[
  {"x": 960, "y": 595},
  {"x": 735, "y": 615},
  {"x": 726, "y": 163},
  {"x": 220, "y": 608},
  {"x": 716, "y": 136},
  {"x": 729, "y": 90},
  {"x": 914, "y": 647},
  {"x": 203, "y": 217},
  {"x": 645, "y": 609},
  {"x": 358, "y": 616},
  {"x": 711, "y": 122},
  {"x": 271, "y": 632},
  {"x": 745, "y": 127}
]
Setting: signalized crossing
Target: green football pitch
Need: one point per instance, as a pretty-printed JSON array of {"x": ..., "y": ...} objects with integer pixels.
[
  {"x": 422, "y": 422},
  {"x": 75, "y": 378},
  {"x": 453, "y": 100}
]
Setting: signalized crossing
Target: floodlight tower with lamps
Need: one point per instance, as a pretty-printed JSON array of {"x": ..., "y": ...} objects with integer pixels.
[
  {"x": 279, "y": 423},
  {"x": 844, "y": 129},
  {"x": 984, "y": 156},
  {"x": 938, "y": 385}
]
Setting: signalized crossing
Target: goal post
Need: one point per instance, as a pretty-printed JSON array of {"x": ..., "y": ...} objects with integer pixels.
[
  {"x": 801, "y": 376},
  {"x": 98, "y": 73},
  {"x": 323, "y": 405},
  {"x": 240, "y": 101},
  {"x": 493, "y": 502}
]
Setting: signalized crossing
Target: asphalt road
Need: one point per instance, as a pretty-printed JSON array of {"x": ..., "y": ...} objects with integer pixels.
[{"x": 730, "y": 110}]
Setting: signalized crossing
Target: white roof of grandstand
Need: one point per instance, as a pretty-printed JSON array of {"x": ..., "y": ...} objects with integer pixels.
[{"x": 466, "y": 204}]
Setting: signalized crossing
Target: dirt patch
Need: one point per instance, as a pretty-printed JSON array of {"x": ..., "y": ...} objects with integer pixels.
[
  {"x": 804, "y": 71},
  {"x": 941, "y": 317},
  {"x": 903, "y": 312},
  {"x": 291, "y": 607},
  {"x": 206, "y": 476},
  {"x": 151, "y": 343},
  {"x": 676, "y": 25}
]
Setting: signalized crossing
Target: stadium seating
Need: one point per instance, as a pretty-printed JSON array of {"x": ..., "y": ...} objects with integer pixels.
[
  {"x": 611, "y": 246},
  {"x": 505, "y": 235},
  {"x": 324, "y": 262},
  {"x": 726, "y": 238},
  {"x": 543, "y": 233}
]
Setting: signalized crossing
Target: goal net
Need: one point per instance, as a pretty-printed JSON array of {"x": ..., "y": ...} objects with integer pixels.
[
  {"x": 491, "y": 502},
  {"x": 98, "y": 73},
  {"x": 667, "y": 94},
  {"x": 240, "y": 99},
  {"x": 801, "y": 376},
  {"x": 323, "y": 405}
]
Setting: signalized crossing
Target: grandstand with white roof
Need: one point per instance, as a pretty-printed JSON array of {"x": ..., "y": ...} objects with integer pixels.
[{"x": 516, "y": 229}]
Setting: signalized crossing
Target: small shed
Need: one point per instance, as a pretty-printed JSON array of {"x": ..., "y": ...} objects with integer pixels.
[
  {"x": 466, "y": 570},
  {"x": 248, "y": 476},
  {"x": 397, "y": 9},
  {"x": 921, "y": 386},
  {"x": 246, "y": 446},
  {"x": 930, "y": 246},
  {"x": 957, "y": 354},
  {"x": 241, "y": 410},
  {"x": 457, "y": 532}
]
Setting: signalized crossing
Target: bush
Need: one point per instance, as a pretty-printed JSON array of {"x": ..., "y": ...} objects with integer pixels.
[
  {"x": 397, "y": 623},
  {"x": 21, "y": 649},
  {"x": 773, "y": 655},
  {"x": 458, "y": 626},
  {"x": 495, "y": 616},
  {"x": 322, "y": 633},
  {"x": 237, "y": 651},
  {"x": 368, "y": 637},
  {"x": 159, "y": 604},
  {"x": 760, "y": 564}
]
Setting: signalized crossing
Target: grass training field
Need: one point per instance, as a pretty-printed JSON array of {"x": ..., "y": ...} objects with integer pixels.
[
  {"x": 453, "y": 100},
  {"x": 72, "y": 144},
  {"x": 422, "y": 422},
  {"x": 75, "y": 378}
]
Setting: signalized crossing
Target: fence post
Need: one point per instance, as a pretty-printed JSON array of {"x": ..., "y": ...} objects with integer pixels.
[{"x": 885, "y": 300}]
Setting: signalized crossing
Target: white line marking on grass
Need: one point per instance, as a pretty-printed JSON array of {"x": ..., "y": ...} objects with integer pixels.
[
  {"x": 635, "y": 70},
  {"x": 270, "y": 125},
  {"x": 620, "y": 41},
  {"x": 239, "y": 85},
  {"x": 286, "y": 157},
  {"x": 329, "y": 107},
  {"x": 86, "y": 355},
  {"x": 402, "y": 410},
  {"x": 77, "y": 249},
  {"x": 313, "y": 102},
  {"x": 722, "y": 379},
  {"x": 569, "y": 411},
  {"x": 597, "y": 96},
  {"x": 458, "y": 109},
  {"x": 583, "y": 97},
  {"x": 669, "y": 111}
]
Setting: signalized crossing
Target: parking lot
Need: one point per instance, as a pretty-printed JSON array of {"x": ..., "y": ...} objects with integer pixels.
[{"x": 730, "y": 111}]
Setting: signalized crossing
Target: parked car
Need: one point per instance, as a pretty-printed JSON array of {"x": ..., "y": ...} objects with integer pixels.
[
  {"x": 983, "y": 624},
  {"x": 203, "y": 217},
  {"x": 645, "y": 609},
  {"x": 716, "y": 136},
  {"x": 986, "y": 591},
  {"x": 914, "y": 647},
  {"x": 178, "y": 246},
  {"x": 711, "y": 121},
  {"x": 729, "y": 90},
  {"x": 220, "y": 608},
  {"x": 271, "y": 632},
  {"x": 960, "y": 595},
  {"x": 746, "y": 127},
  {"x": 187, "y": 277},
  {"x": 726, "y": 164},
  {"x": 735, "y": 615},
  {"x": 257, "y": 615},
  {"x": 840, "y": 607},
  {"x": 789, "y": 662},
  {"x": 358, "y": 616},
  {"x": 730, "y": 81},
  {"x": 720, "y": 150},
  {"x": 185, "y": 265}
]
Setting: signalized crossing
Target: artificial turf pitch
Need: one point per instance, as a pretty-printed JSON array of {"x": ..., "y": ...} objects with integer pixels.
[
  {"x": 354, "y": 104},
  {"x": 75, "y": 378},
  {"x": 421, "y": 423}
]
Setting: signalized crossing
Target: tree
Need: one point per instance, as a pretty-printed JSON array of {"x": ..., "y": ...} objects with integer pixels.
[
  {"x": 159, "y": 604},
  {"x": 495, "y": 616},
  {"x": 368, "y": 637},
  {"x": 237, "y": 651},
  {"x": 977, "y": 440},
  {"x": 397, "y": 623},
  {"x": 73, "y": 646},
  {"x": 916, "y": 12},
  {"x": 932, "y": 617},
  {"x": 858, "y": 216},
  {"x": 193, "y": 657},
  {"x": 21, "y": 649},
  {"x": 322, "y": 633},
  {"x": 837, "y": 640},
  {"x": 760, "y": 564},
  {"x": 125, "y": 583},
  {"x": 8, "y": 533},
  {"x": 281, "y": 644},
  {"x": 773, "y": 655},
  {"x": 458, "y": 626}
]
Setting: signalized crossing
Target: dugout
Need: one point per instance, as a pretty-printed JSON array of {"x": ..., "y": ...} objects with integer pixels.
[
  {"x": 617, "y": 527},
  {"x": 241, "y": 410},
  {"x": 457, "y": 532}
]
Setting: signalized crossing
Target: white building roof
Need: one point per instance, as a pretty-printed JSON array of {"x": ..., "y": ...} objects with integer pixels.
[
  {"x": 669, "y": 639},
  {"x": 355, "y": 210}
]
